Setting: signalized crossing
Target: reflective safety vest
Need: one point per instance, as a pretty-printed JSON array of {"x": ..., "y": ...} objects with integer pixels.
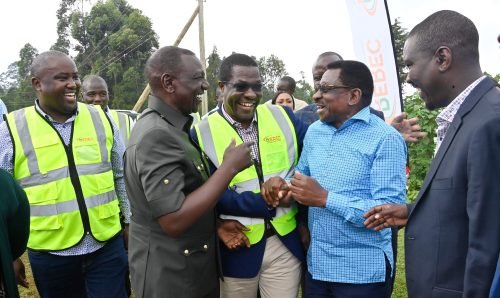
[
  {"x": 122, "y": 120},
  {"x": 278, "y": 152},
  {"x": 70, "y": 188}
]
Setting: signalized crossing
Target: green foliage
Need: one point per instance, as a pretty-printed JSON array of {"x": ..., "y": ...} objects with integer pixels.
[
  {"x": 303, "y": 89},
  {"x": 27, "y": 55},
  {"x": 63, "y": 20},
  {"x": 213, "y": 64},
  {"x": 114, "y": 41},
  {"x": 420, "y": 153},
  {"x": 271, "y": 70},
  {"x": 16, "y": 82}
]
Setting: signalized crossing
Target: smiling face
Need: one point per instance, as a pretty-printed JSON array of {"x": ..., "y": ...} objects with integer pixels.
[
  {"x": 189, "y": 84},
  {"x": 95, "y": 91},
  {"x": 424, "y": 74},
  {"x": 285, "y": 99},
  {"x": 242, "y": 93},
  {"x": 333, "y": 104},
  {"x": 57, "y": 84}
]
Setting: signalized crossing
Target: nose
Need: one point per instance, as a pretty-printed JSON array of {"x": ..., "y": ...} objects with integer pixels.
[
  {"x": 250, "y": 93},
  {"x": 74, "y": 83},
  {"x": 204, "y": 85},
  {"x": 317, "y": 96}
]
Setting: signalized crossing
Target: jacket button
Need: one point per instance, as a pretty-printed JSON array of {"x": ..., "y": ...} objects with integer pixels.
[
  {"x": 186, "y": 252},
  {"x": 205, "y": 247},
  {"x": 165, "y": 181}
]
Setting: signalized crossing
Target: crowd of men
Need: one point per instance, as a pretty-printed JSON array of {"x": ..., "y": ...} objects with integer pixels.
[{"x": 254, "y": 199}]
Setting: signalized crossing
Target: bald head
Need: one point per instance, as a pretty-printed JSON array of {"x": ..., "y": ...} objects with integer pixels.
[
  {"x": 320, "y": 66},
  {"x": 95, "y": 91},
  {"x": 40, "y": 61},
  {"x": 166, "y": 59}
]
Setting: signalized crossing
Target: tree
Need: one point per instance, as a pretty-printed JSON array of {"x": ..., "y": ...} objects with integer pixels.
[
  {"x": 400, "y": 35},
  {"x": 303, "y": 89},
  {"x": 271, "y": 70},
  {"x": 27, "y": 55},
  {"x": 114, "y": 40},
  {"x": 213, "y": 64},
  {"x": 17, "y": 90},
  {"x": 63, "y": 18}
]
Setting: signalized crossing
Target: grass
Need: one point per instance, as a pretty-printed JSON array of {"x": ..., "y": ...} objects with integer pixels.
[{"x": 399, "y": 286}]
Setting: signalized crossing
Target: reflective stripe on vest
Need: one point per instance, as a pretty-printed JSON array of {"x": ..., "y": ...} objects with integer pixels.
[
  {"x": 123, "y": 122},
  {"x": 56, "y": 222},
  {"x": 278, "y": 154}
]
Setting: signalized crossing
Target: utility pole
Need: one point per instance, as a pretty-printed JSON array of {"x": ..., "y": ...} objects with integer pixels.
[{"x": 204, "y": 104}]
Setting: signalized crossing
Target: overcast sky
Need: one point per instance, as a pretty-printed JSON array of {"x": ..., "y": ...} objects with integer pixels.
[{"x": 295, "y": 31}]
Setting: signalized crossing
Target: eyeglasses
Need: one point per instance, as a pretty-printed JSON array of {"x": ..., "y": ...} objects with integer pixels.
[
  {"x": 244, "y": 86},
  {"x": 327, "y": 88}
]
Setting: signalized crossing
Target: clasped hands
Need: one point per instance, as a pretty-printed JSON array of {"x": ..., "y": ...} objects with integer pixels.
[{"x": 303, "y": 189}]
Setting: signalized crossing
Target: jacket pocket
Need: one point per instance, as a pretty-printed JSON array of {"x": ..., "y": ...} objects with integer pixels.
[
  {"x": 442, "y": 183},
  {"x": 445, "y": 293}
]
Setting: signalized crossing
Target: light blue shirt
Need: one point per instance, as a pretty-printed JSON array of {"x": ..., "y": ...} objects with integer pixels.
[
  {"x": 88, "y": 243},
  {"x": 3, "y": 110},
  {"x": 361, "y": 165}
]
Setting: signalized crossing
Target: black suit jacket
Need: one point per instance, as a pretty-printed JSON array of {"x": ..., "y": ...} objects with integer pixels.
[{"x": 452, "y": 234}]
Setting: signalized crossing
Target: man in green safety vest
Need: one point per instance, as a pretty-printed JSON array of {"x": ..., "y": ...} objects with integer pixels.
[
  {"x": 95, "y": 91},
  {"x": 68, "y": 159},
  {"x": 272, "y": 260}
]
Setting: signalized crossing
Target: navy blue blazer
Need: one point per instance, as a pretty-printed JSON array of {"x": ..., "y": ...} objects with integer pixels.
[
  {"x": 246, "y": 262},
  {"x": 453, "y": 231}
]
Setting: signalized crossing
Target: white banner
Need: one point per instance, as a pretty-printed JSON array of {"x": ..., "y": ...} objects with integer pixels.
[{"x": 372, "y": 41}]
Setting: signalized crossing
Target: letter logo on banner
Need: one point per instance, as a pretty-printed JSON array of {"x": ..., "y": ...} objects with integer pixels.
[{"x": 374, "y": 48}]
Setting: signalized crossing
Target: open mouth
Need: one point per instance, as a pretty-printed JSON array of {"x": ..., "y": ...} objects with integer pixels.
[
  {"x": 247, "y": 105},
  {"x": 70, "y": 96},
  {"x": 320, "y": 108}
]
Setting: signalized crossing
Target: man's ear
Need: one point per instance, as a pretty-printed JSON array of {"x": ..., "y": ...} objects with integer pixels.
[
  {"x": 221, "y": 86},
  {"x": 167, "y": 83},
  {"x": 355, "y": 97},
  {"x": 444, "y": 58},
  {"x": 35, "y": 83}
]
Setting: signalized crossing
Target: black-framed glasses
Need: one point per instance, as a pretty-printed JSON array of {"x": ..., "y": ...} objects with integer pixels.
[
  {"x": 327, "y": 88},
  {"x": 244, "y": 86}
]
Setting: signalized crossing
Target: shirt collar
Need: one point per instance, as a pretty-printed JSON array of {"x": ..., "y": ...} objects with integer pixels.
[
  {"x": 174, "y": 117},
  {"x": 47, "y": 116},
  {"x": 449, "y": 112},
  {"x": 234, "y": 122},
  {"x": 361, "y": 115}
]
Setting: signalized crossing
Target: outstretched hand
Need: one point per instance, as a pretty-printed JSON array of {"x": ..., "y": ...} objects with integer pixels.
[
  {"x": 387, "y": 215},
  {"x": 230, "y": 232},
  {"x": 408, "y": 128}
]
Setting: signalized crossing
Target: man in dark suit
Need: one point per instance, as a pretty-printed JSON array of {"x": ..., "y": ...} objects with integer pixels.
[{"x": 452, "y": 231}]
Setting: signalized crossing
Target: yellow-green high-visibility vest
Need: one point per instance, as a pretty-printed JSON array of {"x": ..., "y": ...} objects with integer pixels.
[
  {"x": 122, "y": 120},
  {"x": 278, "y": 153},
  {"x": 70, "y": 188}
]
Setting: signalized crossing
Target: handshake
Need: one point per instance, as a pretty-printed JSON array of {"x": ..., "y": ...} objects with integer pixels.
[{"x": 303, "y": 189}]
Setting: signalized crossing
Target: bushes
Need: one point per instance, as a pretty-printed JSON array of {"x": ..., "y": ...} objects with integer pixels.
[{"x": 420, "y": 153}]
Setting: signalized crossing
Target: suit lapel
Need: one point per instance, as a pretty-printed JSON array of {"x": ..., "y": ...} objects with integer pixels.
[{"x": 474, "y": 97}]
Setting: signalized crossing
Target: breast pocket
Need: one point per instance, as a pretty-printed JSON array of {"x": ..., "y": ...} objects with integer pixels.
[{"x": 442, "y": 183}]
